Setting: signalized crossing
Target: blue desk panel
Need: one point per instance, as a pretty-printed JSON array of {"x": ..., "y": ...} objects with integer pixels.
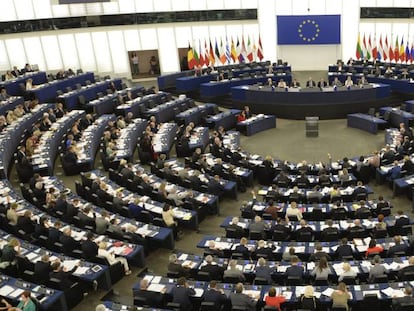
[
  {"x": 299, "y": 103},
  {"x": 365, "y": 122},
  {"x": 13, "y": 86}
]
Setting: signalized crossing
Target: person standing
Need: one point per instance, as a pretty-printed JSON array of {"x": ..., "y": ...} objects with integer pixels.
[{"x": 135, "y": 64}]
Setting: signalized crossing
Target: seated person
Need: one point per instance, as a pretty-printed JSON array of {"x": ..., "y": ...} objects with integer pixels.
[
  {"x": 238, "y": 231},
  {"x": 242, "y": 248},
  {"x": 239, "y": 299},
  {"x": 308, "y": 300},
  {"x": 241, "y": 117},
  {"x": 319, "y": 253},
  {"x": 152, "y": 298},
  {"x": 347, "y": 272},
  {"x": 407, "y": 299},
  {"x": 215, "y": 295},
  {"x": 213, "y": 269},
  {"x": 322, "y": 83},
  {"x": 295, "y": 270},
  {"x": 399, "y": 247},
  {"x": 272, "y": 300},
  {"x": 373, "y": 248},
  {"x": 343, "y": 250},
  {"x": 282, "y": 84},
  {"x": 175, "y": 266},
  {"x": 321, "y": 270},
  {"x": 310, "y": 83},
  {"x": 234, "y": 272},
  {"x": 377, "y": 269},
  {"x": 336, "y": 82},
  {"x": 349, "y": 82},
  {"x": 181, "y": 294},
  {"x": 263, "y": 270}
]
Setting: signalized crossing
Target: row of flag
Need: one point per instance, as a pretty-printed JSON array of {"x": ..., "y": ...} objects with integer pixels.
[
  {"x": 384, "y": 50},
  {"x": 227, "y": 51}
]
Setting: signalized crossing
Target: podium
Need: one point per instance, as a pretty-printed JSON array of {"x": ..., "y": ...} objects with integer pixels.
[{"x": 312, "y": 126}]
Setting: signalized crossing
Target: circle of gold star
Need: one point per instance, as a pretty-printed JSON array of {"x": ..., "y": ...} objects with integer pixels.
[{"x": 311, "y": 23}]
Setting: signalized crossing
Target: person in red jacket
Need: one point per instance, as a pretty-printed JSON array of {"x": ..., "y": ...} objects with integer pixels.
[
  {"x": 274, "y": 301},
  {"x": 241, "y": 117}
]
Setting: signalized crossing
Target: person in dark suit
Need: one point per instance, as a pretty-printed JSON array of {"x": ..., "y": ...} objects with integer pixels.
[
  {"x": 175, "y": 266},
  {"x": 363, "y": 211},
  {"x": 26, "y": 223},
  {"x": 359, "y": 189},
  {"x": 216, "y": 296},
  {"x": 380, "y": 205},
  {"x": 357, "y": 228},
  {"x": 71, "y": 159},
  {"x": 329, "y": 231},
  {"x": 304, "y": 228},
  {"x": 398, "y": 247},
  {"x": 310, "y": 83},
  {"x": 42, "y": 269},
  {"x": 214, "y": 270},
  {"x": 401, "y": 219},
  {"x": 395, "y": 172},
  {"x": 242, "y": 248},
  {"x": 239, "y": 299},
  {"x": 42, "y": 228},
  {"x": 213, "y": 250},
  {"x": 263, "y": 251},
  {"x": 407, "y": 269},
  {"x": 294, "y": 270},
  {"x": 68, "y": 243},
  {"x": 127, "y": 172},
  {"x": 263, "y": 270},
  {"x": 281, "y": 226},
  {"x": 181, "y": 294},
  {"x": 153, "y": 299},
  {"x": 322, "y": 83},
  {"x": 343, "y": 250},
  {"x": 118, "y": 203},
  {"x": 216, "y": 148},
  {"x": 89, "y": 247},
  {"x": 319, "y": 253},
  {"x": 214, "y": 186},
  {"x": 259, "y": 226},
  {"x": 55, "y": 233},
  {"x": 61, "y": 274},
  {"x": 407, "y": 299}
]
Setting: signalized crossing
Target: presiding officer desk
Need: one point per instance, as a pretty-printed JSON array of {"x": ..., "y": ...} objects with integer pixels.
[
  {"x": 384, "y": 291},
  {"x": 297, "y": 103},
  {"x": 49, "y": 299},
  {"x": 11, "y": 136}
]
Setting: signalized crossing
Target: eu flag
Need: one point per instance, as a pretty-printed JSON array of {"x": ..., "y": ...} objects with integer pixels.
[{"x": 309, "y": 29}]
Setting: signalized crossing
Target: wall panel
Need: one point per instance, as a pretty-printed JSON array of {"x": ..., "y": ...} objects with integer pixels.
[
  {"x": 4, "y": 58},
  {"x": 51, "y": 52},
  {"x": 70, "y": 57},
  {"x": 167, "y": 50},
  {"x": 118, "y": 52},
  {"x": 101, "y": 50},
  {"x": 85, "y": 51},
  {"x": 16, "y": 52},
  {"x": 34, "y": 51}
]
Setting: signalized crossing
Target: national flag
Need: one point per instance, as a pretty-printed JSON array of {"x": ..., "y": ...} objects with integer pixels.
[
  {"x": 190, "y": 57},
  {"x": 396, "y": 50},
  {"x": 407, "y": 53},
  {"x": 217, "y": 52},
  {"x": 364, "y": 47},
  {"x": 242, "y": 55},
  {"x": 389, "y": 48},
  {"x": 260, "y": 50},
  {"x": 380, "y": 54},
  {"x": 233, "y": 51},
  {"x": 374, "y": 51},
  {"x": 206, "y": 54},
  {"x": 211, "y": 55},
  {"x": 196, "y": 57},
  {"x": 369, "y": 47},
  {"x": 249, "y": 50},
  {"x": 238, "y": 48},
  {"x": 228, "y": 52},
  {"x": 254, "y": 50},
  {"x": 222, "y": 52},
  {"x": 359, "y": 53},
  {"x": 402, "y": 50},
  {"x": 201, "y": 55},
  {"x": 412, "y": 53}
]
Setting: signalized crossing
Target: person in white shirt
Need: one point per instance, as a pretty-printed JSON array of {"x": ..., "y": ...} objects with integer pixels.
[
  {"x": 347, "y": 272},
  {"x": 282, "y": 84},
  {"x": 293, "y": 210},
  {"x": 110, "y": 257},
  {"x": 349, "y": 82}
]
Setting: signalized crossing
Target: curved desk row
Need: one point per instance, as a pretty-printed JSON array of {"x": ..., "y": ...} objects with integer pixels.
[
  {"x": 12, "y": 134},
  {"x": 13, "y": 86},
  {"x": 296, "y": 103},
  {"x": 222, "y": 88}
]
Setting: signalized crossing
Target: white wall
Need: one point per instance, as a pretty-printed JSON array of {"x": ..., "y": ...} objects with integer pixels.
[{"x": 104, "y": 50}]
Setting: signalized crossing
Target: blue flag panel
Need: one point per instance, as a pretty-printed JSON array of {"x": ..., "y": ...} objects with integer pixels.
[{"x": 309, "y": 29}]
